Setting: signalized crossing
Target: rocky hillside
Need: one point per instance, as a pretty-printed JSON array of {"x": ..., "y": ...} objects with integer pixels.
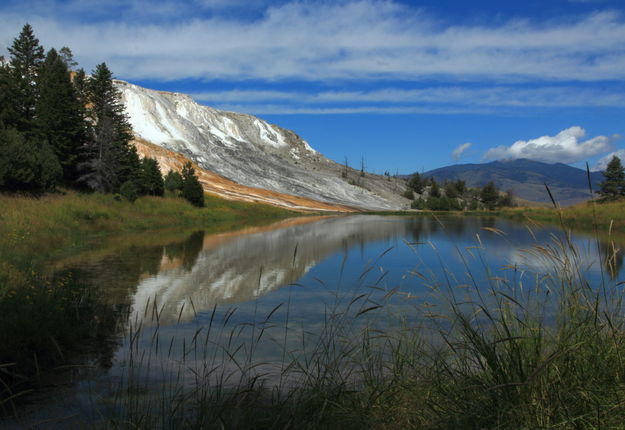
[
  {"x": 251, "y": 152},
  {"x": 526, "y": 178}
]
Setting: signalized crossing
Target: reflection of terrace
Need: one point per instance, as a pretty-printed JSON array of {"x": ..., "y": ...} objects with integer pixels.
[{"x": 238, "y": 266}]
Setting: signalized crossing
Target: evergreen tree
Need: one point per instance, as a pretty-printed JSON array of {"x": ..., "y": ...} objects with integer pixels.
[
  {"x": 129, "y": 191},
  {"x": 60, "y": 115},
  {"x": 435, "y": 190},
  {"x": 80, "y": 83},
  {"x": 450, "y": 190},
  {"x": 173, "y": 181},
  {"x": 191, "y": 188},
  {"x": 110, "y": 158},
  {"x": 613, "y": 186},
  {"x": 68, "y": 58},
  {"x": 489, "y": 195},
  {"x": 8, "y": 91},
  {"x": 416, "y": 183},
  {"x": 461, "y": 186},
  {"x": 26, "y": 164},
  {"x": 151, "y": 178},
  {"x": 26, "y": 59}
]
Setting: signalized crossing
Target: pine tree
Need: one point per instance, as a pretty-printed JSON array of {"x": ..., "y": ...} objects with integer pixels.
[
  {"x": 461, "y": 186},
  {"x": 110, "y": 159},
  {"x": 416, "y": 183},
  {"x": 26, "y": 164},
  {"x": 435, "y": 190},
  {"x": 489, "y": 195},
  {"x": 173, "y": 181},
  {"x": 68, "y": 58},
  {"x": 613, "y": 186},
  {"x": 450, "y": 189},
  {"x": 60, "y": 115},
  {"x": 26, "y": 59},
  {"x": 8, "y": 91},
  {"x": 191, "y": 188},
  {"x": 151, "y": 178}
]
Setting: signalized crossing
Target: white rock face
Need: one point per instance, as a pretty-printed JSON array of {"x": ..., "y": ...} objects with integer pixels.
[{"x": 248, "y": 150}]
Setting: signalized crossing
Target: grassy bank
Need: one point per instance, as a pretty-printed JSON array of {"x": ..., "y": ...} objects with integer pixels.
[
  {"x": 604, "y": 217},
  {"x": 36, "y": 230},
  {"x": 584, "y": 216}
]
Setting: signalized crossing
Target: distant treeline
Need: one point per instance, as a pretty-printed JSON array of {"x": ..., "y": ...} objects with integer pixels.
[
  {"x": 61, "y": 127},
  {"x": 427, "y": 193}
]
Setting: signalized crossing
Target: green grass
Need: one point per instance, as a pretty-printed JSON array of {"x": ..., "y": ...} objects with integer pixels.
[
  {"x": 38, "y": 230},
  {"x": 603, "y": 220}
]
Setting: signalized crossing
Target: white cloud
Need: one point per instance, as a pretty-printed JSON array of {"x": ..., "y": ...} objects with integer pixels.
[
  {"x": 603, "y": 162},
  {"x": 497, "y": 96},
  {"x": 567, "y": 146},
  {"x": 459, "y": 150},
  {"x": 363, "y": 39},
  {"x": 280, "y": 109}
]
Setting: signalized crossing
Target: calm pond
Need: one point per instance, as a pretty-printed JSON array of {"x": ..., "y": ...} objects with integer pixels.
[{"x": 249, "y": 301}]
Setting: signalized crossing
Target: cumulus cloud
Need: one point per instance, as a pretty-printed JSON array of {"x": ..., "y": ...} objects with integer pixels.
[
  {"x": 603, "y": 162},
  {"x": 318, "y": 40},
  {"x": 459, "y": 150},
  {"x": 568, "y": 146}
]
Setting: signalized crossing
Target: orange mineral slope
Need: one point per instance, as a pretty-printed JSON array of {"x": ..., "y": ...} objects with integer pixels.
[{"x": 222, "y": 187}]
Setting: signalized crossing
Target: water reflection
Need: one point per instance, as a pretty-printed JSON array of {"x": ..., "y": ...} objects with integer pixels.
[
  {"x": 193, "y": 276},
  {"x": 328, "y": 256},
  {"x": 235, "y": 268}
]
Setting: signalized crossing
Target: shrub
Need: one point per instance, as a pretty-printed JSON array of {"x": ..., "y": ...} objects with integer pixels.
[{"x": 129, "y": 191}]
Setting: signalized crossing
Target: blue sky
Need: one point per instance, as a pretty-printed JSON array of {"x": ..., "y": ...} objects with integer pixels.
[{"x": 406, "y": 85}]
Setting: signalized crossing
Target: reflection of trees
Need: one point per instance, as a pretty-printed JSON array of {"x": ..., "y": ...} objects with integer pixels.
[
  {"x": 112, "y": 281},
  {"x": 611, "y": 257},
  {"x": 427, "y": 225},
  {"x": 488, "y": 222},
  {"x": 187, "y": 251}
]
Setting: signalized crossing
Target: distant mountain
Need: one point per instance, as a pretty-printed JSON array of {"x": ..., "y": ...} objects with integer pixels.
[{"x": 526, "y": 178}]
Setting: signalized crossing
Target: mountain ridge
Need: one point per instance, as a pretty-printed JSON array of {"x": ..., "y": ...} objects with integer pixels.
[{"x": 526, "y": 178}]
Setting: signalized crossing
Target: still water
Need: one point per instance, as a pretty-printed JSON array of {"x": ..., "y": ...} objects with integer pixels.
[{"x": 265, "y": 290}]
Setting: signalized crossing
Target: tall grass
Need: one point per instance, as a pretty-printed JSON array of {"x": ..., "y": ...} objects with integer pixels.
[
  {"x": 512, "y": 351},
  {"x": 607, "y": 216}
]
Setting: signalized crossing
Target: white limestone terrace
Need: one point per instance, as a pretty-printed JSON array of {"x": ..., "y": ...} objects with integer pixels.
[{"x": 247, "y": 150}]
